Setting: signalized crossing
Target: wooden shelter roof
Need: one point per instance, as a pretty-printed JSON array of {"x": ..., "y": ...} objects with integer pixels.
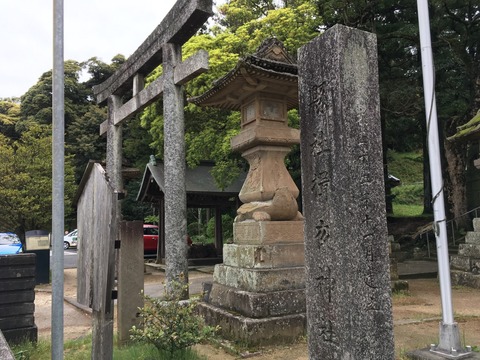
[{"x": 201, "y": 188}]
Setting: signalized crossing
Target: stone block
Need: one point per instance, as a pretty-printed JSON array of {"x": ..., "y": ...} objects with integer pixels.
[
  {"x": 472, "y": 237},
  {"x": 253, "y": 332},
  {"x": 258, "y": 305},
  {"x": 469, "y": 250},
  {"x": 264, "y": 256},
  {"x": 268, "y": 232},
  {"x": 475, "y": 265},
  {"x": 395, "y": 246},
  {"x": 393, "y": 269},
  {"x": 476, "y": 224},
  {"x": 458, "y": 262},
  {"x": 400, "y": 256},
  {"x": 465, "y": 279},
  {"x": 260, "y": 280}
]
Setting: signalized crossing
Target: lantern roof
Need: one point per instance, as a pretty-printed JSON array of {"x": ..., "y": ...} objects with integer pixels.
[{"x": 270, "y": 70}]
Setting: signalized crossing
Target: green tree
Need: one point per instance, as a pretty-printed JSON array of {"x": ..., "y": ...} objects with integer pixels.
[
  {"x": 26, "y": 181},
  {"x": 9, "y": 115},
  {"x": 455, "y": 37},
  {"x": 208, "y": 131}
]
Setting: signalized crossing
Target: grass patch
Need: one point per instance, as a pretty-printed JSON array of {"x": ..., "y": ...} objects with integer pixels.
[
  {"x": 401, "y": 210},
  {"x": 408, "y": 167},
  {"x": 80, "y": 349},
  {"x": 408, "y": 197},
  {"x": 408, "y": 194}
]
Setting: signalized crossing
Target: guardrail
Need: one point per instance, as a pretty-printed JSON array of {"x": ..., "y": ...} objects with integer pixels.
[{"x": 452, "y": 228}]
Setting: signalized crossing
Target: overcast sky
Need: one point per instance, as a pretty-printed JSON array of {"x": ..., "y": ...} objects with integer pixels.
[{"x": 101, "y": 28}]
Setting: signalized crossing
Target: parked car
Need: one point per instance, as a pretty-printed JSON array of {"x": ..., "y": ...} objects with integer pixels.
[
  {"x": 10, "y": 244},
  {"x": 70, "y": 240},
  {"x": 150, "y": 239}
]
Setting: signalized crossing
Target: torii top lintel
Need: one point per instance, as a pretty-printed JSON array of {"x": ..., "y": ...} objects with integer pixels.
[{"x": 179, "y": 25}]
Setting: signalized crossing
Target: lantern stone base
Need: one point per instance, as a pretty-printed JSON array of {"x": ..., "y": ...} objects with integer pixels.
[
  {"x": 258, "y": 293},
  {"x": 252, "y": 332}
]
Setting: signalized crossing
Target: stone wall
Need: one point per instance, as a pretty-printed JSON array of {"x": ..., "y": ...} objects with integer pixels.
[{"x": 466, "y": 265}]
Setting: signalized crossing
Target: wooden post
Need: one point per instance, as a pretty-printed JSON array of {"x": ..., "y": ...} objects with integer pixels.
[{"x": 130, "y": 278}]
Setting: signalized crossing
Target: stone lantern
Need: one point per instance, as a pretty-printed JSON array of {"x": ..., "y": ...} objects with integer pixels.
[{"x": 258, "y": 293}]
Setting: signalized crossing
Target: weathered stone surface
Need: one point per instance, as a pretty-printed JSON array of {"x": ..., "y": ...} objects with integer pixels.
[
  {"x": 393, "y": 269},
  {"x": 465, "y": 279},
  {"x": 272, "y": 330},
  {"x": 5, "y": 352},
  {"x": 282, "y": 207},
  {"x": 258, "y": 305},
  {"x": 264, "y": 256},
  {"x": 476, "y": 224},
  {"x": 469, "y": 250},
  {"x": 268, "y": 232},
  {"x": 260, "y": 280},
  {"x": 460, "y": 263},
  {"x": 346, "y": 248},
  {"x": 472, "y": 237},
  {"x": 263, "y": 275}
]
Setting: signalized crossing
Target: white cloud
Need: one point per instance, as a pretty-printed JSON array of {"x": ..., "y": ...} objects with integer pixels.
[{"x": 102, "y": 28}]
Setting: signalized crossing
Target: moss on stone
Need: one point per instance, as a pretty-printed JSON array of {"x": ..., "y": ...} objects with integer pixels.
[{"x": 468, "y": 131}]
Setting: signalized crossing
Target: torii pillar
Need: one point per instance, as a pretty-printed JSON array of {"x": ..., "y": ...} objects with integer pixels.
[{"x": 162, "y": 46}]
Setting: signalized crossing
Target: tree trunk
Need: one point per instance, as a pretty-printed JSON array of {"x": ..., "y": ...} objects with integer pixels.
[{"x": 455, "y": 154}]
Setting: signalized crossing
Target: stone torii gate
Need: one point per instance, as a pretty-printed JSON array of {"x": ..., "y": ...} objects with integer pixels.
[{"x": 163, "y": 46}]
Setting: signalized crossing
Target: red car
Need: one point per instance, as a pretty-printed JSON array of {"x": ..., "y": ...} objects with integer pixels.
[{"x": 150, "y": 239}]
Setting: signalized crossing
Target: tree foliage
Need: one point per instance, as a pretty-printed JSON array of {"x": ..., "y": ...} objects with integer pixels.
[
  {"x": 239, "y": 28},
  {"x": 26, "y": 181},
  {"x": 246, "y": 24}
]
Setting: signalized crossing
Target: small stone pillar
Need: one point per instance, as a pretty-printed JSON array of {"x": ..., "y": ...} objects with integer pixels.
[{"x": 258, "y": 293}]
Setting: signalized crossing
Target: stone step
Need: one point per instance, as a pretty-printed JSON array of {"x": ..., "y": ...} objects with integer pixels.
[
  {"x": 472, "y": 237},
  {"x": 465, "y": 279},
  {"x": 254, "y": 332},
  {"x": 458, "y": 262},
  {"x": 258, "y": 305},
  {"x": 469, "y": 250}
]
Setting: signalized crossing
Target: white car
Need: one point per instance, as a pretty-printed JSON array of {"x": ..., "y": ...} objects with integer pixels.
[{"x": 70, "y": 240}]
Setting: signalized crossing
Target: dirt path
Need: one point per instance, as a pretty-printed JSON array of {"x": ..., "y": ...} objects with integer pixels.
[{"x": 416, "y": 319}]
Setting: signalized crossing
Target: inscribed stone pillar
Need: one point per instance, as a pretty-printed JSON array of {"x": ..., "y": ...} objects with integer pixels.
[{"x": 349, "y": 313}]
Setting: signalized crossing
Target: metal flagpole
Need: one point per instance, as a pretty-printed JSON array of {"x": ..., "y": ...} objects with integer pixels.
[
  {"x": 449, "y": 338},
  {"x": 58, "y": 165}
]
